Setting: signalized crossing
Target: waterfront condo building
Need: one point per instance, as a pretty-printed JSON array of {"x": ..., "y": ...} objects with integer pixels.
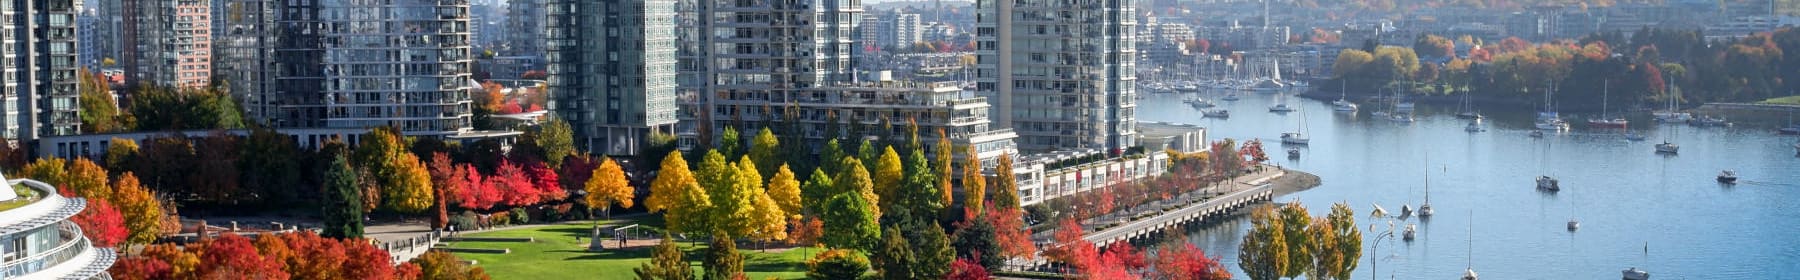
[
  {"x": 37, "y": 240},
  {"x": 1061, "y": 73},
  {"x": 167, "y": 42},
  {"x": 41, "y": 59},
  {"x": 525, "y": 24},
  {"x": 611, "y": 67},
  {"x": 367, "y": 63},
  {"x": 244, "y": 53},
  {"x": 742, "y": 57}
]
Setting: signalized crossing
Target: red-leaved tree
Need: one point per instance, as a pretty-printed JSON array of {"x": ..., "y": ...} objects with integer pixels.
[
  {"x": 1010, "y": 232},
  {"x": 478, "y": 192},
  {"x": 1187, "y": 262},
  {"x": 544, "y": 180},
  {"x": 515, "y": 187},
  {"x": 967, "y": 269},
  {"x": 233, "y": 257},
  {"x": 100, "y": 222}
]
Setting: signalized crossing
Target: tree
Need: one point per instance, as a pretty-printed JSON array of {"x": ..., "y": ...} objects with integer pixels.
[
  {"x": 665, "y": 263},
  {"x": 974, "y": 239},
  {"x": 232, "y": 256},
  {"x": 1294, "y": 220},
  {"x": 343, "y": 204},
  {"x": 608, "y": 187},
  {"x": 729, "y": 144},
  {"x": 917, "y": 194},
  {"x": 765, "y": 150},
  {"x": 678, "y": 195},
  {"x": 931, "y": 251},
  {"x": 1434, "y": 46},
  {"x": 974, "y": 185},
  {"x": 101, "y": 223},
  {"x": 1351, "y": 62},
  {"x": 1339, "y": 259},
  {"x": 888, "y": 173},
  {"x": 837, "y": 264},
  {"x": 944, "y": 175},
  {"x": 722, "y": 259},
  {"x": 807, "y": 231},
  {"x": 445, "y": 184},
  {"x": 967, "y": 269},
  {"x": 730, "y": 186},
  {"x": 410, "y": 191},
  {"x": 440, "y": 265},
  {"x": 785, "y": 190},
  {"x": 274, "y": 171},
  {"x": 50, "y": 170},
  {"x": 556, "y": 139},
  {"x": 120, "y": 154},
  {"x": 143, "y": 213},
  {"x": 831, "y": 156},
  {"x": 87, "y": 180},
  {"x": 477, "y": 192},
  {"x": 1006, "y": 189},
  {"x": 816, "y": 190},
  {"x": 514, "y": 184},
  {"x": 767, "y": 220},
  {"x": 1185, "y": 261},
  {"x": 854, "y": 179},
  {"x": 1263, "y": 253},
  {"x": 895, "y": 256},
  {"x": 852, "y": 221},
  {"x": 99, "y": 114}
]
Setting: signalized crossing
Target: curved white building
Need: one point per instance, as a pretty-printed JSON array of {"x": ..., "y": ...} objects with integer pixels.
[{"x": 37, "y": 240}]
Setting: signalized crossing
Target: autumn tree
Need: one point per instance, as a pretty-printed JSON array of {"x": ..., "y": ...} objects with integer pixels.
[
  {"x": 852, "y": 221},
  {"x": 1006, "y": 189},
  {"x": 837, "y": 264},
  {"x": 446, "y": 183},
  {"x": 665, "y": 263},
  {"x": 785, "y": 190},
  {"x": 440, "y": 265},
  {"x": 343, "y": 204},
  {"x": 1434, "y": 46},
  {"x": 1294, "y": 222},
  {"x": 729, "y": 144},
  {"x": 853, "y": 178},
  {"x": 1186, "y": 261},
  {"x": 722, "y": 259},
  {"x": 943, "y": 169},
  {"x": 1339, "y": 257},
  {"x": 99, "y": 114},
  {"x": 556, "y": 140},
  {"x": 120, "y": 153},
  {"x": 1263, "y": 253},
  {"x": 477, "y": 192},
  {"x": 974, "y": 185},
  {"x": 410, "y": 189},
  {"x": 732, "y": 199},
  {"x": 233, "y": 257},
  {"x": 50, "y": 170},
  {"x": 967, "y": 269},
  {"x": 608, "y": 187},
  {"x": 765, "y": 150},
  {"x": 101, "y": 223},
  {"x": 87, "y": 180},
  {"x": 677, "y": 194},
  {"x": 142, "y": 211},
  {"x": 767, "y": 220},
  {"x": 887, "y": 175}
]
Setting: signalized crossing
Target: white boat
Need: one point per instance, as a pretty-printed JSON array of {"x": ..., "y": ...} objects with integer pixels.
[
  {"x": 1548, "y": 119},
  {"x": 1635, "y": 274},
  {"x": 1297, "y": 138},
  {"x": 1604, "y": 121},
  {"x": 1425, "y": 208},
  {"x": 1293, "y": 153},
  {"x": 1557, "y": 125},
  {"x": 1546, "y": 183},
  {"x": 1668, "y": 148},
  {"x": 1709, "y": 121},
  {"x": 1728, "y": 177},
  {"x": 1405, "y": 211},
  {"x": 1399, "y": 117},
  {"x": 1467, "y": 109},
  {"x": 1634, "y": 137},
  {"x": 1411, "y": 232},
  {"x": 1280, "y": 108},
  {"x": 1343, "y": 104},
  {"x": 1469, "y": 274},
  {"x": 1221, "y": 113},
  {"x": 1199, "y": 103},
  {"x": 1672, "y": 114}
]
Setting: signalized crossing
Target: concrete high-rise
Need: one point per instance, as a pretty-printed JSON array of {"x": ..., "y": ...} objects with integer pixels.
[
  {"x": 106, "y": 30},
  {"x": 611, "y": 67},
  {"x": 525, "y": 23},
  {"x": 167, "y": 42},
  {"x": 360, "y": 64},
  {"x": 745, "y": 57},
  {"x": 40, "y": 85},
  {"x": 1060, "y": 73}
]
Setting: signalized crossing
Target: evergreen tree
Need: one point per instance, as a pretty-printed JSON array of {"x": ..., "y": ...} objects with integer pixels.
[
  {"x": 343, "y": 209},
  {"x": 932, "y": 253},
  {"x": 665, "y": 263},
  {"x": 1006, "y": 190},
  {"x": 831, "y": 156},
  {"x": 976, "y": 241},
  {"x": 918, "y": 193},
  {"x": 852, "y": 222},
  {"x": 722, "y": 259},
  {"x": 895, "y": 256}
]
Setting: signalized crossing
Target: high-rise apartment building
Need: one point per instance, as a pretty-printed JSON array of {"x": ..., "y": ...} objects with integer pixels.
[
  {"x": 168, "y": 42},
  {"x": 908, "y": 30},
  {"x": 525, "y": 27},
  {"x": 745, "y": 57},
  {"x": 244, "y": 50},
  {"x": 105, "y": 31},
  {"x": 1061, "y": 73},
  {"x": 611, "y": 67},
  {"x": 41, "y": 60},
  {"x": 890, "y": 30},
  {"x": 360, "y": 64}
]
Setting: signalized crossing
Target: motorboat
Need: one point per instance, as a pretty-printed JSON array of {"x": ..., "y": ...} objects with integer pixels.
[
  {"x": 1709, "y": 121},
  {"x": 1574, "y": 225},
  {"x": 1728, "y": 177},
  {"x": 1411, "y": 232},
  {"x": 1342, "y": 105},
  {"x": 1635, "y": 274},
  {"x": 1537, "y": 134},
  {"x": 1230, "y": 97},
  {"x": 1221, "y": 113},
  {"x": 1294, "y": 138},
  {"x": 1634, "y": 137},
  {"x": 1199, "y": 103},
  {"x": 1608, "y": 123},
  {"x": 1668, "y": 148},
  {"x": 1293, "y": 153},
  {"x": 1791, "y": 130},
  {"x": 1280, "y": 108},
  {"x": 1557, "y": 125},
  {"x": 1547, "y": 183},
  {"x": 1474, "y": 127},
  {"x": 1398, "y": 117},
  {"x": 1470, "y": 116}
]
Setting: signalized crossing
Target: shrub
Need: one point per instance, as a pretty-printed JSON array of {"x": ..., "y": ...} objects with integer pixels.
[
  {"x": 519, "y": 216},
  {"x": 499, "y": 219},
  {"x": 465, "y": 220},
  {"x": 837, "y": 264}
]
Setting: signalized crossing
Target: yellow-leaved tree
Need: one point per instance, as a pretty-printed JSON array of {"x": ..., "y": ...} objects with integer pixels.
[
  {"x": 785, "y": 190},
  {"x": 48, "y": 170},
  {"x": 677, "y": 194},
  {"x": 1006, "y": 192},
  {"x": 732, "y": 203},
  {"x": 888, "y": 172},
  {"x": 852, "y": 177},
  {"x": 767, "y": 221},
  {"x": 143, "y": 213},
  {"x": 608, "y": 187},
  {"x": 973, "y": 184},
  {"x": 942, "y": 167},
  {"x": 409, "y": 190},
  {"x": 87, "y": 180}
]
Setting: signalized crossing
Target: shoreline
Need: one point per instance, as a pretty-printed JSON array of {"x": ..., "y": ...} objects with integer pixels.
[{"x": 1293, "y": 182}]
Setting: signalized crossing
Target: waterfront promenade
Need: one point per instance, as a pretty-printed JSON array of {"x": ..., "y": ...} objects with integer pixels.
[{"x": 1218, "y": 200}]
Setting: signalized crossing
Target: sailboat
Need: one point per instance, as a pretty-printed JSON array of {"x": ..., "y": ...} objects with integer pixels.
[
  {"x": 1425, "y": 208},
  {"x": 1469, "y": 271},
  {"x": 1400, "y": 102},
  {"x": 1635, "y": 273},
  {"x": 1297, "y": 138},
  {"x": 1573, "y": 223},
  {"x": 1545, "y": 182},
  {"x": 1467, "y": 110},
  {"x": 1343, "y": 104},
  {"x": 1603, "y": 121},
  {"x": 1548, "y": 119},
  {"x": 1398, "y": 115},
  {"x": 1672, "y": 114},
  {"x": 1667, "y": 147},
  {"x": 1411, "y": 232}
]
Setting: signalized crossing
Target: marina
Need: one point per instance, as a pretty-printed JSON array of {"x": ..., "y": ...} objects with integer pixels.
[{"x": 1630, "y": 201}]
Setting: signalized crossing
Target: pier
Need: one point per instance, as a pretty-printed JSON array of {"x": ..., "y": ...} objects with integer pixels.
[{"x": 1254, "y": 190}]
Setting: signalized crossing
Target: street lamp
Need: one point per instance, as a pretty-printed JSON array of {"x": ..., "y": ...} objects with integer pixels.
[{"x": 1376, "y": 250}]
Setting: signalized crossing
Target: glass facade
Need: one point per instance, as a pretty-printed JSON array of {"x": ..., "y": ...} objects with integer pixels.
[
  {"x": 612, "y": 70},
  {"x": 1062, "y": 72},
  {"x": 368, "y": 63},
  {"x": 37, "y": 240}
]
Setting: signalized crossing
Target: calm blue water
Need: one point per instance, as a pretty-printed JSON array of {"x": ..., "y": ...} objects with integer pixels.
[{"x": 1626, "y": 197}]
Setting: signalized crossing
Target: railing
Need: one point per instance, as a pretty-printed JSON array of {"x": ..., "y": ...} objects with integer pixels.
[
  {"x": 394, "y": 248},
  {"x": 54, "y": 256}
]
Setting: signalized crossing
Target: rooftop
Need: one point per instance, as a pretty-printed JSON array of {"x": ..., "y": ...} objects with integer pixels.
[{"x": 18, "y": 195}]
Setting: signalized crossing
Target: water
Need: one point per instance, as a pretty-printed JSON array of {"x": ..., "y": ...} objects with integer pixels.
[{"x": 1627, "y": 197}]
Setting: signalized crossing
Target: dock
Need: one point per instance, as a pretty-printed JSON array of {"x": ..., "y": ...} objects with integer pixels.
[{"x": 1243, "y": 194}]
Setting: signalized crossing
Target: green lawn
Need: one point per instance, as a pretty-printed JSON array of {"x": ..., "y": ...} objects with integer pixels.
[
  {"x": 1790, "y": 100},
  {"x": 27, "y": 195},
  {"x": 555, "y": 255}
]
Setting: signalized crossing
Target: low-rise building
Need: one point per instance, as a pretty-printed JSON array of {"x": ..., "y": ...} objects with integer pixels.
[
  {"x": 37, "y": 240},
  {"x": 1161, "y": 136},
  {"x": 1052, "y": 175}
]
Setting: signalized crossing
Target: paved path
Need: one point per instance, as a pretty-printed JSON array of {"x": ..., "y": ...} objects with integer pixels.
[{"x": 407, "y": 240}]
